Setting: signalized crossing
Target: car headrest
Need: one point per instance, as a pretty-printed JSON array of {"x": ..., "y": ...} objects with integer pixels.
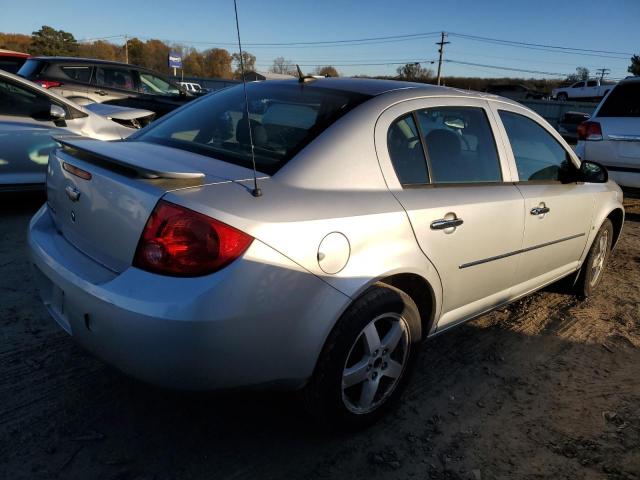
[
  {"x": 258, "y": 131},
  {"x": 443, "y": 145},
  {"x": 396, "y": 137}
]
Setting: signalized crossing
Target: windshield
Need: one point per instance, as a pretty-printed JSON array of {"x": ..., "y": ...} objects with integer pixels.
[
  {"x": 156, "y": 85},
  {"x": 284, "y": 118}
]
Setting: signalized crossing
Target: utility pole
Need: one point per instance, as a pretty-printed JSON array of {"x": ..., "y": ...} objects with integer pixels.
[
  {"x": 442, "y": 43},
  {"x": 603, "y": 72},
  {"x": 126, "y": 49}
]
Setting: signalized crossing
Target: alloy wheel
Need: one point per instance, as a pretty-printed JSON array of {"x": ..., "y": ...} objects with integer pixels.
[
  {"x": 597, "y": 265},
  {"x": 375, "y": 363}
]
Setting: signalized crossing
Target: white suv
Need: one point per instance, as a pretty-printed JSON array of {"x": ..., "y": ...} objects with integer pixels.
[{"x": 612, "y": 135}]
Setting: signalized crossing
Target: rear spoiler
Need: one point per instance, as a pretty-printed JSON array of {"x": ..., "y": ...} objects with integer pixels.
[{"x": 91, "y": 151}]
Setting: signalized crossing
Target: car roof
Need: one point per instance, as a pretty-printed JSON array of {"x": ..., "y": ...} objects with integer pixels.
[
  {"x": 86, "y": 60},
  {"x": 632, "y": 79},
  {"x": 11, "y": 53},
  {"x": 375, "y": 87}
]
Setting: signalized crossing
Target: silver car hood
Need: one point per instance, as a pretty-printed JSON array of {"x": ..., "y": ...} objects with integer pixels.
[{"x": 115, "y": 111}]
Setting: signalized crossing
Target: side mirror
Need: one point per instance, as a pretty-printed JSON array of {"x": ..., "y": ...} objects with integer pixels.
[
  {"x": 57, "y": 112},
  {"x": 592, "y": 172}
]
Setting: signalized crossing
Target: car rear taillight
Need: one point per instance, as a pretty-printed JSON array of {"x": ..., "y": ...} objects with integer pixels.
[
  {"x": 48, "y": 83},
  {"x": 180, "y": 242},
  {"x": 589, "y": 131}
]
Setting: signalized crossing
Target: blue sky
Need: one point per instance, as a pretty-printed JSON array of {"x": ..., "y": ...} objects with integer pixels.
[{"x": 610, "y": 25}]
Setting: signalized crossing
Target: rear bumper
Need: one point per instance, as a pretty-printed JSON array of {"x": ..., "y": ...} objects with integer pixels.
[{"x": 261, "y": 320}]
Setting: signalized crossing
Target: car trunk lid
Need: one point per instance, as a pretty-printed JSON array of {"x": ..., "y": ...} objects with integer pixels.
[{"x": 101, "y": 194}]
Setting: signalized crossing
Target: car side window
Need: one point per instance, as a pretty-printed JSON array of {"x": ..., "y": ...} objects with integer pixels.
[
  {"x": 78, "y": 73},
  {"x": 538, "y": 155},
  {"x": 405, "y": 150},
  {"x": 460, "y": 145},
  {"x": 16, "y": 100},
  {"x": 592, "y": 83},
  {"x": 578, "y": 85},
  {"x": 119, "y": 78}
]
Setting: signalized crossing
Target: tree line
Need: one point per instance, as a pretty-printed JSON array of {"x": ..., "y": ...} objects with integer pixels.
[
  {"x": 220, "y": 63},
  {"x": 152, "y": 54}
]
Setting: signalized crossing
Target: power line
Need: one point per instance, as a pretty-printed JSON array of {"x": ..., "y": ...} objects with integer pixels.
[
  {"x": 522, "y": 59},
  {"x": 497, "y": 67},
  {"x": 334, "y": 64},
  {"x": 552, "y": 49},
  {"x": 404, "y": 37},
  {"x": 327, "y": 43},
  {"x": 476, "y": 37}
]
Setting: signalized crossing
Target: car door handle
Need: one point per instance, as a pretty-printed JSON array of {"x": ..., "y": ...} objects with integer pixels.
[
  {"x": 444, "y": 223},
  {"x": 101, "y": 92},
  {"x": 540, "y": 210}
]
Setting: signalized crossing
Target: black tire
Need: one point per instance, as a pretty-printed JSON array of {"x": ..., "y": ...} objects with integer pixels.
[
  {"x": 325, "y": 397},
  {"x": 590, "y": 276},
  {"x": 562, "y": 97}
]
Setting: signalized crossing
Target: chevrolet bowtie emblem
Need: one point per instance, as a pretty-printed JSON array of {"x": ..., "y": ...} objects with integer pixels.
[{"x": 73, "y": 193}]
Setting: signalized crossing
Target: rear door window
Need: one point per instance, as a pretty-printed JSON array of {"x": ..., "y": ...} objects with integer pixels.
[
  {"x": 114, "y": 77},
  {"x": 79, "y": 73},
  {"x": 592, "y": 83},
  {"x": 623, "y": 101},
  {"x": 406, "y": 152},
  {"x": 460, "y": 145},
  {"x": 538, "y": 155}
]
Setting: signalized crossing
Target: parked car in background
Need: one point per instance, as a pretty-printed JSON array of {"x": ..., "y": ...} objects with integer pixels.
[
  {"x": 31, "y": 115},
  {"x": 612, "y": 135},
  {"x": 583, "y": 90},
  {"x": 568, "y": 125},
  {"x": 329, "y": 280},
  {"x": 87, "y": 81},
  {"x": 515, "y": 91},
  {"x": 11, "y": 61},
  {"x": 193, "y": 88}
]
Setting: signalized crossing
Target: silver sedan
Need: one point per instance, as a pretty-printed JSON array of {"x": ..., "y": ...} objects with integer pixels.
[
  {"x": 30, "y": 115},
  {"x": 387, "y": 213}
]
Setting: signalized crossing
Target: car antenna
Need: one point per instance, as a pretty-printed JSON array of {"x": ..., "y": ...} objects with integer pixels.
[
  {"x": 302, "y": 78},
  {"x": 256, "y": 192}
]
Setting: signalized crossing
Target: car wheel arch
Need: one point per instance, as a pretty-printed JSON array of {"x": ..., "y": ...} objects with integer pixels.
[
  {"x": 617, "y": 219},
  {"x": 423, "y": 295},
  {"x": 616, "y": 216}
]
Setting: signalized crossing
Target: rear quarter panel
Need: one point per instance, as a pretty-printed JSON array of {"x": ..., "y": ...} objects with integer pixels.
[{"x": 334, "y": 185}]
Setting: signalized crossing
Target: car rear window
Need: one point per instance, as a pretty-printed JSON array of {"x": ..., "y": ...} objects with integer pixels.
[
  {"x": 623, "y": 101},
  {"x": 11, "y": 64},
  {"x": 31, "y": 68},
  {"x": 284, "y": 118}
]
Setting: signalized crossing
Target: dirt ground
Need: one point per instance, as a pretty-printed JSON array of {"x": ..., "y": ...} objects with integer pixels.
[{"x": 548, "y": 387}]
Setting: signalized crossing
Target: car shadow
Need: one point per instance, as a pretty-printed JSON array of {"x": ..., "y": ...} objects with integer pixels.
[
  {"x": 88, "y": 420},
  {"x": 20, "y": 203},
  {"x": 632, "y": 217}
]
